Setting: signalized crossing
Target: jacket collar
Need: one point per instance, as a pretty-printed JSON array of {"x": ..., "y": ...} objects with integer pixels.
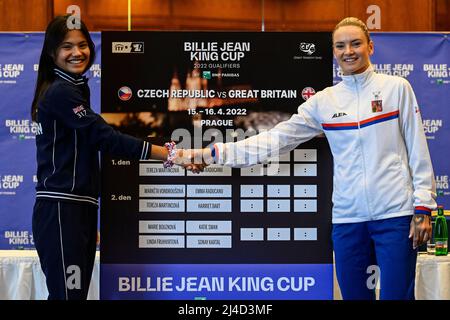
[
  {"x": 73, "y": 78},
  {"x": 360, "y": 78}
]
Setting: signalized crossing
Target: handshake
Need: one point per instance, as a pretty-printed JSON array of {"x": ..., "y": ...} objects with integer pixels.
[{"x": 195, "y": 160}]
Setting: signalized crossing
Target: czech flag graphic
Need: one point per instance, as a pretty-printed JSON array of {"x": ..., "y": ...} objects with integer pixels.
[{"x": 124, "y": 93}]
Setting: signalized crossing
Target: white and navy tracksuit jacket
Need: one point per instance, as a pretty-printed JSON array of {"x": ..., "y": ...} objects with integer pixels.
[
  {"x": 382, "y": 175},
  {"x": 382, "y": 166},
  {"x": 68, "y": 174}
]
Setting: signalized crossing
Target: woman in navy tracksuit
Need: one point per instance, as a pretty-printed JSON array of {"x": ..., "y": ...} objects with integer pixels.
[{"x": 69, "y": 137}]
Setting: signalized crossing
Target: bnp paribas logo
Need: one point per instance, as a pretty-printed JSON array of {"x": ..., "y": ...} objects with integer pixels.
[
  {"x": 206, "y": 75},
  {"x": 439, "y": 81}
]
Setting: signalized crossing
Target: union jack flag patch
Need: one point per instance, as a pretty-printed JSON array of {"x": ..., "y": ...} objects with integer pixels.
[{"x": 78, "y": 109}]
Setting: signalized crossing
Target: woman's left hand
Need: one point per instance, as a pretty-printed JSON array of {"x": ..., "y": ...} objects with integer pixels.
[{"x": 420, "y": 229}]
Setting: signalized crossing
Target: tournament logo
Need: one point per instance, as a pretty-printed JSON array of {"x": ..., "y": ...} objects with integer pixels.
[
  {"x": 308, "y": 92},
  {"x": 124, "y": 93},
  {"x": 377, "y": 103}
]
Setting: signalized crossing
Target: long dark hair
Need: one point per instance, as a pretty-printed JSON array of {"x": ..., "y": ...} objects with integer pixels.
[{"x": 54, "y": 36}]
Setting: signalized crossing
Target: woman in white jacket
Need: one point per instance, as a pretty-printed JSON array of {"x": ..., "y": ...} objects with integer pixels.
[{"x": 384, "y": 188}]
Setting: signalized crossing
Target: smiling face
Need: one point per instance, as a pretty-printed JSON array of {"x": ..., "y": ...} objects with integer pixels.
[
  {"x": 352, "y": 49},
  {"x": 73, "y": 53}
]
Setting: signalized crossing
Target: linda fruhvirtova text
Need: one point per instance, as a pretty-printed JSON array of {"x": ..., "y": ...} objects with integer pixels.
[
  {"x": 214, "y": 51},
  {"x": 215, "y": 284}
]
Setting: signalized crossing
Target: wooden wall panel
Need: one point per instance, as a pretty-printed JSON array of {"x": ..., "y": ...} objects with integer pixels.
[
  {"x": 291, "y": 15},
  {"x": 443, "y": 15},
  {"x": 398, "y": 15},
  {"x": 315, "y": 10},
  {"x": 119, "y": 8},
  {"x": 60, "y": 8},
  {"x": 279, "y": 15},
  {"x": 306, "y": 15},
  {"x": 218, "y": 10},
  {"x": 113, "y": 14},
  {"x": 25, "y": 15}
]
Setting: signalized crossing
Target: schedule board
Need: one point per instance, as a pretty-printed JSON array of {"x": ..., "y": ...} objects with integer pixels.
[{"x": 257, "y": 232}]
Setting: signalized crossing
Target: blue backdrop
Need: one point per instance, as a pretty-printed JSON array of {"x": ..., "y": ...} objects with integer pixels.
[
  {"x": 19, "y": 59},
  {"x": 422, "y": 58}
]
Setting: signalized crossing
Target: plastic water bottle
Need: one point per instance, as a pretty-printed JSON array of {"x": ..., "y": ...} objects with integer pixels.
[{"x": 441, "y": 233}]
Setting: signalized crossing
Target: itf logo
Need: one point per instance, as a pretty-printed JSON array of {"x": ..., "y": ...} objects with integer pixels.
[
  {"x": 128, "y": 47},
  {"x": 124, "y": 93}
]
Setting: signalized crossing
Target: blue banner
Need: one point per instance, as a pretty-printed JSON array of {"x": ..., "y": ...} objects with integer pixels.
[
  {"x": 216, "y": 281},
  {"x": 19, "y": 60},
  {"x": 422, "y": 58}
]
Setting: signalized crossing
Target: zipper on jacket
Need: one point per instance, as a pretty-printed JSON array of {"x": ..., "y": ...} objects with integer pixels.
[
  {"x": 53, "y": 154},
  {"x": 361, "y": 147},
  {"x": 74, "y": 161}
]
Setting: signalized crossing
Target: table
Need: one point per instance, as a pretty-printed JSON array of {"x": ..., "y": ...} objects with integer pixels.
[
  {"x": 21, "y": 277},
  {"x": 433, "y": 277}
]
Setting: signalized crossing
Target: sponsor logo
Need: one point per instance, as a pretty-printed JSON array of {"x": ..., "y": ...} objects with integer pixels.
[
  {"x": 128, "y": 47},
  {"x": 308, "y": 92},
  {"x": 339, "y": 114},
  {"x": 224, "y": 74},
  {"x": 306, "y": 52},
  {"x": 206, "y": 75},
  {"x": 125, "y": 93},
  {"x": 308, "y": 48}
]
